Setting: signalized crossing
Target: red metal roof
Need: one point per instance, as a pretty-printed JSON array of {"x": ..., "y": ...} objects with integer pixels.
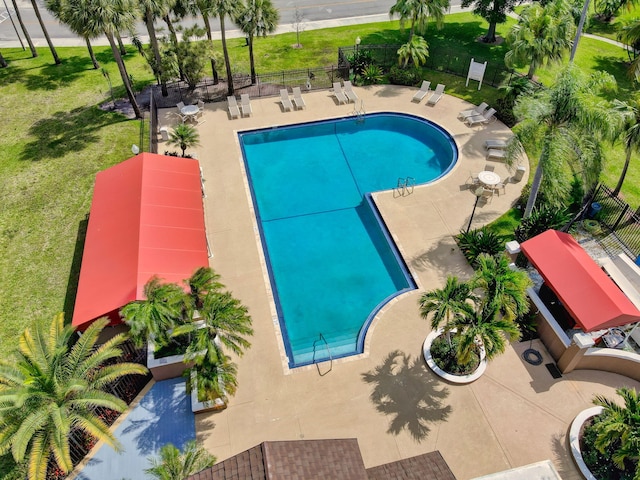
[
  {"x": 146, "y": 219},
  {"x": 589, "y": 295}
]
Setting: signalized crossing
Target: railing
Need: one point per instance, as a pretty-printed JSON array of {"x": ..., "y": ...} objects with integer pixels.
[
  {"x": 321, "y": 338},
  {"x": 404, "y": 187}
]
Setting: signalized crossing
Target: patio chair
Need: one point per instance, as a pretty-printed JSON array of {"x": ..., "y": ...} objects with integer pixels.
[
  {"x": 200, "y": 109},
  {"x": 234, "y": 111},
  {"x": 420, "y": 94},
  {"x": 297, "y": 98},
  {"x": 285, "y": 100},
  {"x": 180, "y": 105},
  {"x": 487, "y": 194},
  {"x": 501, "y": 186},
  {"x": 348, "y": 90},
  {"x": 337, "y": 92},
  {"x": 473, "y": 179},
  {"x": 494, "y": 143},
  {"x": 485, "y": 118},
  {"x": 479, "y": 110},
  {"x": 496, "y": 154},
  {"x": 245, "y": 103},
  {"x": 437, "y": 95}
]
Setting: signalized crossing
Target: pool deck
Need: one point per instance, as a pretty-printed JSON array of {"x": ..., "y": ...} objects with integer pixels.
[{"x": 387, "y": 398}]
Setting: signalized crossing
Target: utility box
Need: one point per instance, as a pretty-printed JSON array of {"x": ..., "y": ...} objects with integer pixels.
[
  {"x": 164, "y": 133},
  {"x": 513, "y": 249}
]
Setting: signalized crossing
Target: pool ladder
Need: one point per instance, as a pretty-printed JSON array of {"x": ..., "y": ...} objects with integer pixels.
[
  {"x": 321, "y": 338},
  {"x": 404, "y": 187},
  {"x": 359, "y": 113}
]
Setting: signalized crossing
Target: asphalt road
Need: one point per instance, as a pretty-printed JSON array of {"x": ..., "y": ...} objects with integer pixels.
[{"x": 315, "y": 15}]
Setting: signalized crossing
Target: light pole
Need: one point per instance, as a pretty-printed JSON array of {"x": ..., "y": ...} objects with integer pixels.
[
  {"x": 574, "y": 47},
  {"x": 356, "y": 59},
  {"x": 478, "y": 193}
]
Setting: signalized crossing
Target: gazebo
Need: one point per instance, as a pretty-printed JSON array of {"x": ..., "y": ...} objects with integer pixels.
[
  {"x": 147, "y": 218},
  {"x": 592, "y": 299}
]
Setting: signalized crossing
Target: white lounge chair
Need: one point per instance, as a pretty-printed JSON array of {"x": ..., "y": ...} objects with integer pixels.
[
  {"x": 297, "y": 98},
  {"x": 420, "y": 94},
  {"x": 348, "y": 90},
  {"x": 437, "y": 95},
  {"x": 496, "y": 154},
  {"x": 234, "y": 111},
  {"x": 494, "y": 143},
  {"x": 337, "y": 91},
  {"x": 245, "y": 103},
  {"x": 479, "y": 110},
  {"x": 486, "y": 117},
  {"x": 285, "y": 100}
]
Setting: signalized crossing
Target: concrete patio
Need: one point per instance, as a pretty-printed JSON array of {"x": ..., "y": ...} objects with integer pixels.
[{"x": 515, "y": 414}]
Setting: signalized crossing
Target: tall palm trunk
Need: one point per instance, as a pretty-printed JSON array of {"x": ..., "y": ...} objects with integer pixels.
[
  {"x": 36, "y": 10},
  {"x": 616, "y": 191},
  {"x": 148, "y": 18},
  {"x": 34, "y": 52},
  {"x": 123, "y": 50},
  {"x": 123, "y": 73},
  {"x": 173, "y": 37},
  {"x": 252, "y": 61},
  {"x": 535, "y": 188},
  {"x": 92, "y": 54},
  {"x": 3, "y": 62},
  {"x": 227, "y": 64},
  {"x": 214, "y": 70}
]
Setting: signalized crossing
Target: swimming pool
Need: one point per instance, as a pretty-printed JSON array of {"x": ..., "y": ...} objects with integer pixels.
[{"x": 331, "y": 263}]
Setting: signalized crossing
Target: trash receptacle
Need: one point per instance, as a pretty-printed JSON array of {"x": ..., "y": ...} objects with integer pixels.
[
  {"x": 164, "y": 133},
  {"x": 519, "y": 173},
  {"x": 595, "y": 208}
]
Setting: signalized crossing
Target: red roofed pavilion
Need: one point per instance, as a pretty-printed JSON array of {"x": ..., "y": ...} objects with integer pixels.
[
  {"x": 146, "y": 219},
  {"x": 592, "y": 299}
]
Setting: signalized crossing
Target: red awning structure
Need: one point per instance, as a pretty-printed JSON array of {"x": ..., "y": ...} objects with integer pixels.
[
  {"x": 146, "y": 219},
  {"x": 593, "y": 300}
]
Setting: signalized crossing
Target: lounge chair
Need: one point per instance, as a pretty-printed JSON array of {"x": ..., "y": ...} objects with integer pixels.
[
  {"x": 420, "y": 94},
  {"x": 495, "y": 144},
  {"x": 496, "y": 153},
  {"x": 486, "y": 117},
  {"x": 348, "y": 90},
  {"x": 297, "y": 98},
  {"x": 285, "y": 100},
  {"x": 479, "y": 110},
  {"x": 337, "y": 91},
  {"x": 245, "y": 103},
  {"x": 437, "y": 95},
  {"x": 234, "y": 111}
]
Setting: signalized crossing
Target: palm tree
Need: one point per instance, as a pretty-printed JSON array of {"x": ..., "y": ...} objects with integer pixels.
[
  {"x": 176, "y": 465},
  {"x": 505, "y": 289},
  {"x": 630, "y": 35},
  {"x": 73, "y": 14},
  {"x": 34, "y": 52},
  {"x": 415, "y": 51},
  {"x": 51, "y": 389},
  {"x": 152, "y": 9},
  {"x": 542, "y": 34},
  {"x": 184, "y": 136},
  {"x": 619, "y": 427},
  {"x": 205, "y": 8},
  {"x": 419, "y": 12},
  {"x": 164, "y": 307},
  {"x": 108, "y": 17},
  {"x": 631, "y": 132},
  {"x": 216, "y": 379},
  {"x": 36, "y": 10},
  {"x": 203, "y": 281},
  {"x": 256, "y": 18},
  {"x": 222, "y": 9},
  {"x": 445, "y": 303},
  {"x": 566, "y": 124},
  {"x": 493, "y": 11}
]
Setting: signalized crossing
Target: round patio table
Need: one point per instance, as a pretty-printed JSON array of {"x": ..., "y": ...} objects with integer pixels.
[
  {"x": 489, "y": 178},
  {"x": 189, "y": 110}
]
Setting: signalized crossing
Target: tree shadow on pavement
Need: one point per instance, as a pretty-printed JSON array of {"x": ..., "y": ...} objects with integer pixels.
[{"x": 408, "y": 393}]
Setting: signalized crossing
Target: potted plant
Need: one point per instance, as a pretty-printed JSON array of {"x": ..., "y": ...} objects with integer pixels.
[
  {"x": 476, "y": 317},
  {"x": 605, "y": 440}
]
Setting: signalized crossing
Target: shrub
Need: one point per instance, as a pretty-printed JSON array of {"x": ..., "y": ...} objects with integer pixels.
[
  {"x": 372, "y": 74},
  {"x": 444, "y": 356},
  {"x": 600, "y": 464},
  {"x": 405, "y": 76},
  {"x": 475, "y": 242},
  {"x": 541, "y": 220}
]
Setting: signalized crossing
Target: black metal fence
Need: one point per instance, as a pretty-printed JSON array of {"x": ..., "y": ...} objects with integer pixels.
[{"x": 621, "y": 223}]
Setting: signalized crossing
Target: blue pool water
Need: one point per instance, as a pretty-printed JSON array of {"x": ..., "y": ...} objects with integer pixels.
[{"x": 331, "y": 262}]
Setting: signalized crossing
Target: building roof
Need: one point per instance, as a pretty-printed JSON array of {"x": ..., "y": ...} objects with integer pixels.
[
  {"x": 320, "y": 460},
  {"x": 592, "y": 299},
  {"x": 146, "y": 219}
]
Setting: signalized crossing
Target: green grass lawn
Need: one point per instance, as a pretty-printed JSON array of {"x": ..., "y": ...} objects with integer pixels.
[{"x": 55, "y": 139}]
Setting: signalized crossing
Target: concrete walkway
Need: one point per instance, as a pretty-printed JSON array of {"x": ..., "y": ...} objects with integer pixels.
[{"x": 387, "y": 398}]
